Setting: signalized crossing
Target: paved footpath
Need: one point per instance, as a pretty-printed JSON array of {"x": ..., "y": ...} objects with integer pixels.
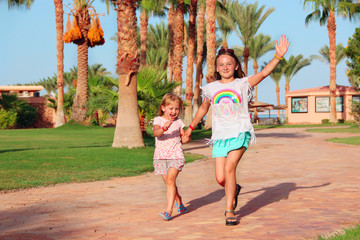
[{"x": 295, "y": 184}]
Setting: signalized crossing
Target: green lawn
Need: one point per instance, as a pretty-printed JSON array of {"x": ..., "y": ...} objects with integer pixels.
[
  {"x": 348, "y": 234},
  {"x": 72, "y": 153}
]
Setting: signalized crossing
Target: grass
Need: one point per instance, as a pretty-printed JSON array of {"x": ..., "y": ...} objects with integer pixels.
[
  {"x": 346, "y": 234},
  {"x": 71, "y": 153}
]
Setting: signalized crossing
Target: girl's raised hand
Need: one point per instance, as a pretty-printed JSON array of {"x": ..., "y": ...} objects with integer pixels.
[{"x": 282, "y": 47}]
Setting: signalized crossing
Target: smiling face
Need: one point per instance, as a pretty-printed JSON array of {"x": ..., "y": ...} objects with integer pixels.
[
  {"x": 226, "y": 66},
  {"x": 171, "y": 111}
]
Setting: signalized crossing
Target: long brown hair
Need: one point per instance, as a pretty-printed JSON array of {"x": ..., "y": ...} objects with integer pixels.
[
  {"x": 170, "y": 98},
  {"x": 230, "y": 52}
]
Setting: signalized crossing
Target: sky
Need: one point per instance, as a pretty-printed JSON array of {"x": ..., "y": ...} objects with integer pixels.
[{"x": 28, "y": 44}]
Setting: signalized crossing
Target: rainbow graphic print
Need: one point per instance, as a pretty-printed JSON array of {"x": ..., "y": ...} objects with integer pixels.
[{"x": 226, "y": 96}]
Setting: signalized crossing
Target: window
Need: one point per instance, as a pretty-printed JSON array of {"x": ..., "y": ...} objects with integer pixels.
[
  {"x": 299, "y": 105},
  {"x": 322, "y": 104}
]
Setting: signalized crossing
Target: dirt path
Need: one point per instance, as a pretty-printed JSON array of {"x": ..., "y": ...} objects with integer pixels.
[{"x": 295, "y": 186}]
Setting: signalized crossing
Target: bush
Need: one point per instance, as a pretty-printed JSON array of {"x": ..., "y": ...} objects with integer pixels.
[
  {"x": 325, "y": 121},
  {"x": 7, "y": 119},
  {"x": 26, "y": 116},
  {"x": 341, "y": 120}
]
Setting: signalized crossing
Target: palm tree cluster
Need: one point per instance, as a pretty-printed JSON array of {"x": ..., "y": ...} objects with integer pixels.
[{"x": 163, "y": 47}]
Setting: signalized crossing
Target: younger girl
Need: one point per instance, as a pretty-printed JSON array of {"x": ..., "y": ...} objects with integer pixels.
[
  {"x": 168, "y": 157},
  {"x": 231, "y": 124}
]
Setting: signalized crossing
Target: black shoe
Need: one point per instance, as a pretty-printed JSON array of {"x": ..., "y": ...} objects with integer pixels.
[
  {"x": 237, "y": 192},
  {"x": 230, "y": 221}
]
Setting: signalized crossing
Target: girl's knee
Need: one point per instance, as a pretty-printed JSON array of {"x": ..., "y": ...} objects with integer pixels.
[{"x": 220, "y": 180}]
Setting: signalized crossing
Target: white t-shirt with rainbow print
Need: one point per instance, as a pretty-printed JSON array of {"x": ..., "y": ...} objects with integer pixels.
[{"x": 230, "y": 112}]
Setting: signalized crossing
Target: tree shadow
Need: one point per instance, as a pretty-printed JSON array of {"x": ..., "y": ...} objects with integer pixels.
[
  {"x": 269, "y": 196},
  {"x": 205, "y": 200}
]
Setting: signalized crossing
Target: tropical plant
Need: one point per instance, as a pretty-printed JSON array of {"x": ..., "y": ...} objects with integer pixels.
[
  {"x": 158, "y": 45},
  {"x": 85, "y": 31},
  {"x": 325, "y": 54},
  {"x": 352, "y": 51},
  {"x": 248, "y": 18},
  {"x": 259, "y": 46},
  {"x": 324, "y": 12},
  {"x": 127, "y": 132},
  {"x": 20, "y": 4},
  {"x": 59, "y": 19},
  {"x": 293, "y": 66},
  {"x": 7, "y": 119},
  {"x": 190, "y": 62}
]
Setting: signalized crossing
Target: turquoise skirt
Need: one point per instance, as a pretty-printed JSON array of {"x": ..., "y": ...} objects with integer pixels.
[{"x": 221, "y": 148}]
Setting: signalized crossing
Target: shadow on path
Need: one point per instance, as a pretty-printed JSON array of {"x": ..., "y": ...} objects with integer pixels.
[
  {"x": 205, "y": 200},
  {"x": 269, "y": 196}
]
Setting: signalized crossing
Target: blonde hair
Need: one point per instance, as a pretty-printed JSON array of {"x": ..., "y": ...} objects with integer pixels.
[{"x": 170, "y": 98}]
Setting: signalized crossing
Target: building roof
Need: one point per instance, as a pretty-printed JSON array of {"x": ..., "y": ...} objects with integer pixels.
[
  {"x": 21, "y": 88},
  {"x": 323, "y": 89}
]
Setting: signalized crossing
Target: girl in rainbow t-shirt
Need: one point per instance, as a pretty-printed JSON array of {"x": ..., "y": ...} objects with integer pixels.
[{"x": 231, "y": 124}]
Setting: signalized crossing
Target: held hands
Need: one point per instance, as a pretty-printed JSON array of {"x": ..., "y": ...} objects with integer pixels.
[{"x": 282, "y": 47}]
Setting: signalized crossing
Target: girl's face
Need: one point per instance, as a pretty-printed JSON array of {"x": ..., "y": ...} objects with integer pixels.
[
  {"x": 171, "y": 111},
  {"x": 226, "y": 66}
]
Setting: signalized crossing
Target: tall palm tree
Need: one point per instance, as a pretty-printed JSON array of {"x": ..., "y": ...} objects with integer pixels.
[
  {"x": 178, "y": 43},
  {"x": 224, "y": 25},
  {"x": 158, "y": 45},
  {"x": 259, "y": 46},
  {"x": 325, "y": 54},
  {"x": 276, "y": 75},
  {"x": 127, "y": 132},
  {"x": 20, "y": 4},
  {"x": 324, "y": 12},
  {"x": 147, "y": 7},
  {"x": 171, "y": 26},
  {"x": 293, "y": 66},
  {"x": 248, "y": 19},
  {"x": 85, "y": 32},
  {"x": 59, "y": 19},
  {"x": 190, "y": 62},
  {"x": 199, "y": 55}
]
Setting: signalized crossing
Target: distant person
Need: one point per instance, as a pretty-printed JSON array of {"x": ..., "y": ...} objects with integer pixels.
[
  {"x": 169, "y": 159},
  {"x": 231, "y": 124}
]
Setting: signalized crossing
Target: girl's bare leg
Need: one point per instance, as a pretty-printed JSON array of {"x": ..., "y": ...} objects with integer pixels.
[
  {"x": 219, "y": 170},
  {"x": 231, "y": 163},
  {"x": 171, "y": 188}
]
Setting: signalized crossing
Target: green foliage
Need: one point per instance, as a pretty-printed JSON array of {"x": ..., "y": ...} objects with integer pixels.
[
  {"x": 348, "y": 234},
  {"x": 352, "y": 51},
  {"x": 7, "y": 119},
  {"x": 26, "y": 116},
  {"x": 325, "y": 121}
]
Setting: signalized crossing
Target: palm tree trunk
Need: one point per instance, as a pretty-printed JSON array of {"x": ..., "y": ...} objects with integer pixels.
[
  {"x": 144, "y": 19},
  {"x": 171, "y": 18},
  {"x": 331, "y": 25},
  {"x": 79, "y": 106},
  {"x": 127, "y": 131},
  {"x": 278, "y": 101},
  {"x": 287, "y": 89},
  {"x": 199, "y": 57},
  {"x": 190, "y": 62},
  {"x": 211, "y": 50},
  {"x": 59, "y": 13},
  {"x": 178, "y": 44},
  {"x": 246, "y": 55}
]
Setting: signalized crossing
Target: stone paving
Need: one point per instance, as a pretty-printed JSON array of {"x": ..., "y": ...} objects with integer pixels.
[{"x": 295, "y": 184}]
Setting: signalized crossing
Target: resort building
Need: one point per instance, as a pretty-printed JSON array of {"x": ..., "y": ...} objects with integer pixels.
[
  {"x": 46, "y": 116},
  {"x": 312, "y": 105}
]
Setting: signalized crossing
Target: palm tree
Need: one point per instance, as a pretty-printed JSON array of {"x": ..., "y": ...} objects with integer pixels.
[
  {"x": 293, "y": 66},
  {"x": 259, "y": 46},
  {"x": 223, "y": 23},
  {"x": 325, "y": 54},
  {"x": 85, "y": 32},
  {"x": 158, "y": 45},
  {"x": 147, "y": 7},
  {"x": 276, "y": 75},
  {"x": 199, "y": 55},
  {"x": 324, "y": 12},
  {"x": 171, "y": 26},
  {"x": 190, "y": 62},
  {"x": 128, "y": 132},
  {"x": 248, "y": 19},
  {"x": 20, "y": 4},
  {"x": 59, "y": 19},
  {"x": 178, "y": 43}
]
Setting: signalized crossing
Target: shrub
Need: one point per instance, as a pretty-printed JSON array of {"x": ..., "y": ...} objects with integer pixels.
[
  {"x": 26, "y": 116},
  {"x": 7, "y": 119},
  {"x": 325, "y": 121},
  {"x": 341, "y": 120}
]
